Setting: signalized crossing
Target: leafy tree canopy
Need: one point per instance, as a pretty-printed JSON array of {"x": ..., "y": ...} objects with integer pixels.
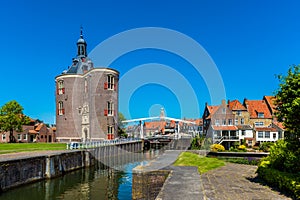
[
  {"x": 12, "y": 118},
  {"x": 288, "y": 102},
  {"x": 121, "y": 118}
]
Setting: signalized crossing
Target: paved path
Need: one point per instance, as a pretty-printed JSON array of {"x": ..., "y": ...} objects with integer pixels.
[
  {"x": 236, "y": 181},
  {"x": 230, "y": 182}
]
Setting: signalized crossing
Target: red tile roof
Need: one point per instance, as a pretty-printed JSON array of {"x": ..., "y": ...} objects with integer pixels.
[
  {"x": 155, "y": 125},
  {"x": 225, "y": 128},
  {"x": 257, "y": 106},
  {"x": 279, "y": 125},
  {"x": 265, "y": 129},
  {"x": 236, "y": 105},
  {"x": 271, "y": 101},
  {"x": 39, "y": 126},
  {"x": 211, "y": 110},
  {"x": 32, "y": 132}
]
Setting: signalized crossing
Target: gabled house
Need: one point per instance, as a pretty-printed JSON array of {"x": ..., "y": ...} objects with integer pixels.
[
  {"x": 219, "y": 125},
  {"x": 153, "y": 128},
  {"x": 35, "y": 131},
  {"x": 261, "y": 120},
  {"x": 241, "y": 120},
  {"x": 192, "y": 129},
  {"x": 270, "y": 100}
]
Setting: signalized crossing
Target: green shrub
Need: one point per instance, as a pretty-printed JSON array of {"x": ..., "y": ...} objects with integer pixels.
[
  {"x": 287, "y": 182},
  {"x": 283, "y": 159},
  {"x": 217, "y": 147},
  {"x": 197, "y": 142},
  {"x": 265, "y": 146}
]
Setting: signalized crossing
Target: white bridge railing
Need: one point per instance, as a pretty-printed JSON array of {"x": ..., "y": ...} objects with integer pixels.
[{"x": 95, "y": 144}]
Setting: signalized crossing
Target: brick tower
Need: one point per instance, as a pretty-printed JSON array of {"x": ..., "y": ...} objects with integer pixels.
[{"x": 86, "y": 100}]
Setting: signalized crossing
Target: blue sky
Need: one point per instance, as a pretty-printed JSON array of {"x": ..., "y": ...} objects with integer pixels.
[{"x": 250, "y": 41}]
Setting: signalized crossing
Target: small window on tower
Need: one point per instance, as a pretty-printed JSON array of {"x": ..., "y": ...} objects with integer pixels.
[
  {"x": 110, "y": 84},
  {"x": 61, "y": 110},
  {"x": 60, "y": 87}
]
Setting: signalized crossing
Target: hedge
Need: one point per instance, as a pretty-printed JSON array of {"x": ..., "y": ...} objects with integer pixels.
[{"x": 287, "y": 182}]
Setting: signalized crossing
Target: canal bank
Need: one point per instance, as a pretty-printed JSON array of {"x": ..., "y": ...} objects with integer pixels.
[
  {"x": 22, "y": 168},
  {"x": 159, "y": 180}
]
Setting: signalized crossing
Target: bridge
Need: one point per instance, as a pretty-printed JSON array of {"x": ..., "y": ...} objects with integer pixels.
[{"x": 164, "y": 126}]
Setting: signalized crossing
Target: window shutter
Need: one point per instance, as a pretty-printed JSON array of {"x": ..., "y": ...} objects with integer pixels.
[
  {"x": 105, "y": 112},
  {"x": 115, "y": 87},
  {"x": 105, "y": 85},
  {"x": 63, "y": 90}
]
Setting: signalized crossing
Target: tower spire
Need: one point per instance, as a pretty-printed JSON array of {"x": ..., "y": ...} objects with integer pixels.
[
  {"x": 81, "y": 45},
  {"x": 81, "y": 35}
]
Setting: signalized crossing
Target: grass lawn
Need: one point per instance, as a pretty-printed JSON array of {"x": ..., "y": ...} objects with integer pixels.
[
  {"x": 204, "y": 164},
  {"x": 21, "y": 147}
]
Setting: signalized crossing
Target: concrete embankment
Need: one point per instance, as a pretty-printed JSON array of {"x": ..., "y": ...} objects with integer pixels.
[
  {"x": 26, "y": 168},
  {"x": 22, "y": 168}
]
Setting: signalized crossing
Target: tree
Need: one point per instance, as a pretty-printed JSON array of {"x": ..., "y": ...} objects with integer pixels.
[
  {"x": 121, "y": 125},
  {"x": 12, "y": 118},
  {"x": 288, "y": 103}
]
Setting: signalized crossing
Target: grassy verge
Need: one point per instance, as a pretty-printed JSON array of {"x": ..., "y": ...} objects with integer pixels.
[
  {"x": 204, "y": 164},
  {"x": 22, "y": 147}
]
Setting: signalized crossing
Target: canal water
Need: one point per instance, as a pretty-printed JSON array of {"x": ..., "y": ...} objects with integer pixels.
[{"x": 95, "y": 183}]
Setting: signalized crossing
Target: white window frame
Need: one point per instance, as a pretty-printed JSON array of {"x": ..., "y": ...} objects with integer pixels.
[
  {"x": 260, "y": 115},
  {"x": 267, "y": 132},
  {"x": 110, "y": 129},
  {"x": 60, "y": 108},
  {"x": 223, "y": 121},
  {"x": 110, "y": 82},
  {"x": 19, "y": 136},
  {"x": 242, "y": 121},
  {"x": 25, "y": 136},
  {"x": 258, "y": 134},
  {"x": 110, "y": 108},
  {"x": 243, "y": 132},
  {"x": 4, "y": 137},
  {"x": 60, "y": 86},
  {"x": 259, "y": 123}
]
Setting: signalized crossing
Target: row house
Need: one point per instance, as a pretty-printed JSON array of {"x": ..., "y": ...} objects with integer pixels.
[
  {"x": 218, "y": 124},
  {"x": 194, "y": 129},
  {"x": 252, "y": 122},
  {"x": 35, "y": 131}
]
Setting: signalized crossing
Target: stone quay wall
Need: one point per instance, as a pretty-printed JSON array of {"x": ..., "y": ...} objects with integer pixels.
[{"x": 29, "y": 167}]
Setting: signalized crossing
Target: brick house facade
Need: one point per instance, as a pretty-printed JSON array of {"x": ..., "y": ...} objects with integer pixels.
[
  {"x": 35, "y": 131},
  {"x": 252, "y": 122}
]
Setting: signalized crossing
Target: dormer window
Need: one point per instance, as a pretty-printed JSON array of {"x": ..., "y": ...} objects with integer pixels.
[{"x": 260, "y": 115}]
